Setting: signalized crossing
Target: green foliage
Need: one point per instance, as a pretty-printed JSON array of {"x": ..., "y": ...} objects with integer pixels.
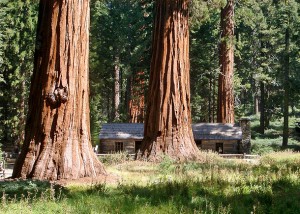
[
  {"x": 30, "y": 191},
  {"x": 260, "y": 53},
  {"x": 271, "y": 141},
  {"x": 120, "y": 35},
  {"x": 204, "y": 69},
  {"x": 18, "y": 21},
  {"x": 167, "y": 165}
]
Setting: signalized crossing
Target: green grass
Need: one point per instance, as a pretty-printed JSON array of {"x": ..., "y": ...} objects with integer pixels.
[
  {"x": 271, "y": 141},
  {"x": 211, "y": 185},
  {"x": 221, "y": 186}
]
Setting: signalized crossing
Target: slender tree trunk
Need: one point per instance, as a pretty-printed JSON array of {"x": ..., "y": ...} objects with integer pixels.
[
  {"x": 57, "y": 134},
  {"x": 168, "y": 127},
  {"x": 256, "y": 104},
  {"x": 214, "y": 105},
  {"x": 286, "y": 90},
  {"x": 210, "y": 97},
  {"x": 117, "y": 89},
  {"x": 262, "y": 107},
  {"x": 225, "y": 112}
]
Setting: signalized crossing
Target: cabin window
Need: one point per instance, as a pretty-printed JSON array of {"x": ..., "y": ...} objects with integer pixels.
[
  {"x": 119, "y": 146},
  {"x": 199, "y": 144},
  {"x": 219, "y": 148},
  {"x": 138, "y": 145}
]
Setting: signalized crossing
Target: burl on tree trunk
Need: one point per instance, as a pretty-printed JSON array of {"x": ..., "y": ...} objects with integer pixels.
[
  {"x": 225, "y": 88},
  {"x": 57, "y": 134},
  {"x": 168, "y": 118}
]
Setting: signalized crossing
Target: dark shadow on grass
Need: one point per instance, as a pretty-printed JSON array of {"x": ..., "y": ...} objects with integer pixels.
[
  {"x": 189, "y": 196},
  {"x": 30, "y": 189}
]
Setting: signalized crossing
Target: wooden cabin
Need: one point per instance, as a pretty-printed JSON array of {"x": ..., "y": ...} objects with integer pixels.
[
  {"x": 222, "y": 138},
  {"x": 118, "y": 137}
]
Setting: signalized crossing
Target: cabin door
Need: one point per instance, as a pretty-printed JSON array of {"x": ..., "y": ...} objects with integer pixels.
[
  {"x": 137, "y": 146},
  {"x": 219, "y": 148},
  {"x": 199, "y": 144}
]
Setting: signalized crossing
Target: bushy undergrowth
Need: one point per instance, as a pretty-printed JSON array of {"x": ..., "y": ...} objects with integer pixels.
[
  {"x": 271, "y": 186},
  {"x": 115, "y": 158}
]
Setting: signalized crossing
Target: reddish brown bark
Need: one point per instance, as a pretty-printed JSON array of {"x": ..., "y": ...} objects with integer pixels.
[
  {"x": 225, "y": 88},
  {"x": 57, "y": 134},
  {"x": 168, "y": 119},
  {"x": 137, "y": 98}
]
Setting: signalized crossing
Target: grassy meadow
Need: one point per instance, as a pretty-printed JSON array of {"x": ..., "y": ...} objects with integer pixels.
[
  {"x": 213, "y": 185},
  {"x": 210, "y": 185}
]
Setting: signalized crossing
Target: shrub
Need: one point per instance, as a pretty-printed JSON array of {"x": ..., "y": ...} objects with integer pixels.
[
  {"x": 115, "y": 158},
  {"x": 209, "y": 157},
  {"x": 167, "y": 165}
]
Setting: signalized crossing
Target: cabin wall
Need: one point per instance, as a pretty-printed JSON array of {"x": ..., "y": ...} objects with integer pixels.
[
  {"x": 109, "y": 146},
  {"x": 229, "y": 146}
]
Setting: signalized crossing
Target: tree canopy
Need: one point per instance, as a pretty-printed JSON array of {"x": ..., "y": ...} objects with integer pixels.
[{"x": 123, "y": 30}]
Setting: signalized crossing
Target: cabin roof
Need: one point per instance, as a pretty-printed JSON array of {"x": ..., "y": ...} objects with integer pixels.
[
  {"x": 202, "y": 131},
  {"x": 216, "y": 131},
  {"x": 119, "y": 131}
]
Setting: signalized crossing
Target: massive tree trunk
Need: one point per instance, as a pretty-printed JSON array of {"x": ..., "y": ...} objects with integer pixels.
[
  {"x": 57, "y": 134},
  {"x": 225, "y": 112},
  {"x": 168, "y": 119}
]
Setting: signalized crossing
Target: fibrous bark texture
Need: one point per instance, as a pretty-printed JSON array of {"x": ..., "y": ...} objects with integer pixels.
[
  {"x": 137, "y": 98},
  {"x": 225, "y": 87},
  {"x": 57, "y": 134},
  {"x": 168, "y": 118}
]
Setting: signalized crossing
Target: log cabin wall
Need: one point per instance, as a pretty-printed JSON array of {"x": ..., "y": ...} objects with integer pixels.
[
  {"x": 110, "y": 146},
  {"x": 229, "y": 146}
]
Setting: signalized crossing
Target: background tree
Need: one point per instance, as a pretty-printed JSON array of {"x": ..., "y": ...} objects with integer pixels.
[
  {"x": 205, "y": 67},
  {"x": 225, "y": 112},
  {"x": 168, "y": 119},
  {"x": 17, "y": 45},
  {"x": 126, "y": 25},
  {"x": 57, "y": 135}
]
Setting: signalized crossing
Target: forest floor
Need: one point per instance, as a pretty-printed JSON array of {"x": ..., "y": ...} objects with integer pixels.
[{"x": 216, "y": 185}]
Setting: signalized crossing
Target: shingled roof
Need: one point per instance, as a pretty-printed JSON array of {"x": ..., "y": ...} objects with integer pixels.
[
  {"x": 202, "y": 131},
  {"x": 119, "y": 131},
  {"x": 216, "y": 131}
]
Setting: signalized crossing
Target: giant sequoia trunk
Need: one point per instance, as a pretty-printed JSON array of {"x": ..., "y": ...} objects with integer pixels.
[
  {"x": 137, "y": 98},
  {"x": 168, "y": 119},
  {"x": 57, "y": 134},
  {"x": 225, "y": 87}
]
